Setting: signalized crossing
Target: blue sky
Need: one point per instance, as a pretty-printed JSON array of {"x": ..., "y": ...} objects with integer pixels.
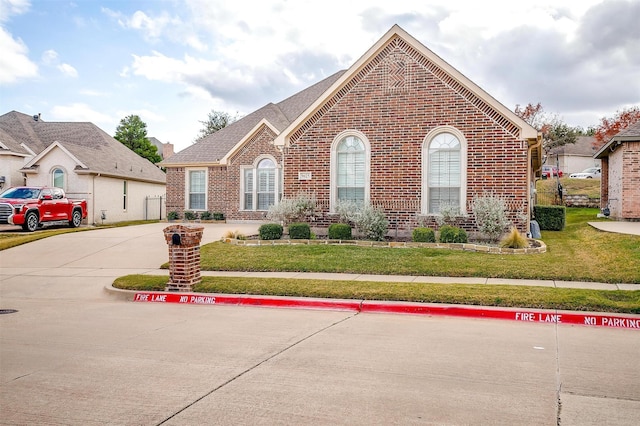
[{"x": 173, "y": 61}]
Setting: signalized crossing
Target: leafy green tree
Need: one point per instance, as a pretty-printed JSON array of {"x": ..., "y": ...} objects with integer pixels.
[
  {"x": 215, "y": 121},
  {"x": 132, "y": 132}
]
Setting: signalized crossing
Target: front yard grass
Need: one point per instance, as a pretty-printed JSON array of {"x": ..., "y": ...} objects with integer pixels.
[
  {"x": 578, "y": 253},
  {"x": 619, "y": 301}
]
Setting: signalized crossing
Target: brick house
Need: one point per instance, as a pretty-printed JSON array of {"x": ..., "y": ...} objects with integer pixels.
[
  {"x": 400, "y": 129},
  {"x": 620, "y": 182}
]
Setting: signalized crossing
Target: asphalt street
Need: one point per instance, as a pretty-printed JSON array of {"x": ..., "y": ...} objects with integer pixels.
[{"x": 74, "y": 354}]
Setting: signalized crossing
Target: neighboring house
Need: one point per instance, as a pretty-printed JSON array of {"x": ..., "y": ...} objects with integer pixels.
[
  {"x": 165, "y": 150},
  {"x": 400, "y": 129},
  {"x": 620, "y": 182},
  {"x": 574, "y": 157},
  {"x": 84, "y": 161}
]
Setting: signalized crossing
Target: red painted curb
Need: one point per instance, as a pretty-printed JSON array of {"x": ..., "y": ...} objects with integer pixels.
[{"x": 522, "y": 315}]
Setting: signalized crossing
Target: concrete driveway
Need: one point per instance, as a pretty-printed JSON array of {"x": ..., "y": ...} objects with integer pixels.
[{"x": 73, "y": 355}]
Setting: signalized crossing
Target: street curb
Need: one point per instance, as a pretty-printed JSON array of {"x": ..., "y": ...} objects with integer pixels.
[{"x": 592, "y": 319}]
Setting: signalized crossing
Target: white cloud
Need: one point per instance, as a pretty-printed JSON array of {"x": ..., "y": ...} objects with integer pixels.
[
  {"x": 94, "y": 93},
  {"x": 144, "y": 114},
  {"x": 155, "y": 27},
  {"x": 14, "y": 61},
  {"x": 13, "y": 7},
  {"x": 50, "y": 57},
  {"x": 68, "y": 70},
  {"x": 79, "y": 112}
]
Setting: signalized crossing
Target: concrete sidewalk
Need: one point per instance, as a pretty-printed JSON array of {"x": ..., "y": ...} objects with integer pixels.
[{"x": 413, "y": 279}]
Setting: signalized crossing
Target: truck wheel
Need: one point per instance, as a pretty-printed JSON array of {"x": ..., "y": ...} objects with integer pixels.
[
  {"x": 76, "y": 219},
  {"x": 30, "y": 222}
]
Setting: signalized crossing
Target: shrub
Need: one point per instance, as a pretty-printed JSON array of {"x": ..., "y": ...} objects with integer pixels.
[
  {"x": 234, "y": 234},
  {"x": 449, "y": 214},
  {"x": 189, "y": 215},
  {"x": 173, "y": 215},
  {"x": 206, "y": 216},
  {"x": 490, "y": 213},
  {"x": 550, "y": 218},
  {"x": 368, "y": 220},
  {"x": 339, "y": 231},
  {"x": 218, "y": 216},
  {"x": 514, "y": 240},
  {"x": 289, "y": 210},
  {"x": 299, "y": 231},
  {"x": 423, "y": 235},
  {"x": 452, "y": 234},
  {"x": 270, "y": 231}
]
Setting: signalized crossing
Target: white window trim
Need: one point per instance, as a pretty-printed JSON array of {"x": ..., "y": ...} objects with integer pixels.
[
  {"x": 333, "y": 187},
  {"x": 64, "y": 176},
  {"x": 254, "y": 168},
  {"x": 187, "y": 187},
  {"x": 424, "y": 207}
]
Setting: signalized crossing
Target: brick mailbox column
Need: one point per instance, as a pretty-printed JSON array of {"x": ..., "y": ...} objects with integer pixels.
[{"x": 184, "y": 256}]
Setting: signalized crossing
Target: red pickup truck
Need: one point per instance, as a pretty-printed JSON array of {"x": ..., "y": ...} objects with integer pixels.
[{"x": 33, "y": 207}]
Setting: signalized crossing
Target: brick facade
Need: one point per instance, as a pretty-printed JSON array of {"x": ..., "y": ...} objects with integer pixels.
[
  {"x": 395, "y": 98},
  {"x": 631, "y": 181},
  {"x": 396, "y": 123}
]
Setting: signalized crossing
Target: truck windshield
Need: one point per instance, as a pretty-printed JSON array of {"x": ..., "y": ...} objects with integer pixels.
[{"x": 21, "y": 193}]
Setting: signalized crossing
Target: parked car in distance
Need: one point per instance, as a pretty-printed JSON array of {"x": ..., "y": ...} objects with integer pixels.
[
  {"x": 590, "y": 173},
  {"x": 550, "y": 171}
]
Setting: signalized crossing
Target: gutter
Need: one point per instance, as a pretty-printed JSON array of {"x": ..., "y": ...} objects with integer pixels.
[{"x": 531, "y": 176}]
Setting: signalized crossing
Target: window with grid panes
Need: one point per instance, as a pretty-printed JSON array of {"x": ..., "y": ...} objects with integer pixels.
[
  {"x": 351, "y": 171},
  {"x": 197, "y": 189},
  {"x": 444, "y": 171}
]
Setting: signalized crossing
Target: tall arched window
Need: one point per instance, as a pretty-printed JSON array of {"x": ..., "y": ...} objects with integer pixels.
[
  {"x": 350, "y": 168},
  {"x": 260, "y": 185},
  {"x": 444, "y": 170},
  {"x": 58, "y": 178}
]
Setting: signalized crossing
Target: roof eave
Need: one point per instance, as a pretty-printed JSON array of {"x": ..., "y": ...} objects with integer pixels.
[{"x": 527, "y": 132}]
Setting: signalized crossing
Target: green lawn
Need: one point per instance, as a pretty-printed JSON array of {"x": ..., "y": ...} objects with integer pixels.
[{"x": 578, "y": 253}]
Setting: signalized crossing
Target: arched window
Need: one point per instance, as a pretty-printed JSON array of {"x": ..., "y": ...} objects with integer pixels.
[
  {"x": 58, "y": 178},
  {"x": 350, "y": 168},
  {"x": 260, "y": 185},
  {"x": 444, "y": 170}
]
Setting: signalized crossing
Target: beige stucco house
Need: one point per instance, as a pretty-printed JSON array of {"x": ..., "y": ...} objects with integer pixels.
[{"x": 85, "y": 162}]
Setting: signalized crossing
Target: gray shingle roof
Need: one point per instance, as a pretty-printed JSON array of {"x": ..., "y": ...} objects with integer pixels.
[
  {"x": 98, "y": 151},
  {"x": 633, "y": 131},
  {"x": 583, "y": 146},
  {"x": 214, "y": 147}
]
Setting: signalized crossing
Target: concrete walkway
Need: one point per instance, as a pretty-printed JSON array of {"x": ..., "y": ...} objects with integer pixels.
[
  {"x": 631, "y": 228},
  {"x": 414, "y": 279}
]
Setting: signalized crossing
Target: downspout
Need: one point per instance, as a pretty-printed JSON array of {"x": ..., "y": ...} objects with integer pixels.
[
  {"x": 531, "y": 178},
  {"x": 93, "y": 199}
]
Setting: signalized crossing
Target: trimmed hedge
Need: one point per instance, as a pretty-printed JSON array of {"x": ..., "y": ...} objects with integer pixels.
[
  {"x": 339, "y": 231},
  {"x": 550, "y": 218},
  {"x": 452, "y": 234},
  {"x": 423, "y": 235},
  {"x": 299, "y": 231},
  {"x": 270, "y": 231}
]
